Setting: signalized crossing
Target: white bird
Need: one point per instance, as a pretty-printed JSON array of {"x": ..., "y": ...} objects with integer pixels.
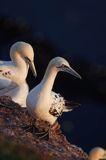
[
  {"x": 97, "y": 153},
  {"x": 42, "y": 102},
  {"x": 13, "y": 73}
]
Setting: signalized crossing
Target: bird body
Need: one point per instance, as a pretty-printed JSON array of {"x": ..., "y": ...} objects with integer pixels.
[
  {"x": 19, "y": 93},
  {"x": 41, "y": 101},
  {"x": 13, "y": 73},
  {"x": 39, "y": 105}
]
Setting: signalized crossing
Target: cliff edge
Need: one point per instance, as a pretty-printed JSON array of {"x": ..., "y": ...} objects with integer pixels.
[{"x": 19, "y": 137}]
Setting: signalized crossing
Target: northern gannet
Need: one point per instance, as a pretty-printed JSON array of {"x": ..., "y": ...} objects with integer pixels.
[
  {"x": 42, "y": 102},
  {"x": 97, "y": 153},
  {"x": 13, "y": 73}
]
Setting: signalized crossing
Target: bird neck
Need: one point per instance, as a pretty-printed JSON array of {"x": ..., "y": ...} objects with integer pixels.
[
  {"x": 20, "y": 64},
  {"x": 48, "y": 79}
]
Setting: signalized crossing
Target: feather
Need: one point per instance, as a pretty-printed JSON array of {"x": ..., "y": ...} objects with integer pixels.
[
  {"x": 70, "y": 105},
  {"x": 60, "y": 105}
]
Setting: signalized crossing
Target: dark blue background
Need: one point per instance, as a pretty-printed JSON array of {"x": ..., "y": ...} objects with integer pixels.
[{"x": 73, "y": 29}]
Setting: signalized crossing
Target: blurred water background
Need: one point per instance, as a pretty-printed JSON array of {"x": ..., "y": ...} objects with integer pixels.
[{"x": 75, "y": 30}]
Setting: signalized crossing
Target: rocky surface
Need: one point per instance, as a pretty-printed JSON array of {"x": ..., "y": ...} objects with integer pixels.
[{"x": 18, "y": 127}]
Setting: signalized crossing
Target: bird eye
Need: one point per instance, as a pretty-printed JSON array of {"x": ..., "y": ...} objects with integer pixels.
[
  {"x": 62, "y": 66},
  {"x": 27, "y": 59}
]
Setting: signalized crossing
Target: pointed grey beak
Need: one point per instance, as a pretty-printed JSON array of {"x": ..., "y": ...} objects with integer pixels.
[
  {"x": 32, "y": 67},
  {"x": 72, "y": 72}
]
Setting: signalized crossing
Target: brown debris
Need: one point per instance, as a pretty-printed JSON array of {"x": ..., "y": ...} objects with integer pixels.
[{"x": 18, "y": 125}]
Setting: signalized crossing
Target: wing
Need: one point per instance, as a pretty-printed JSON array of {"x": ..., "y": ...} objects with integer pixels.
[
  {"x": 5, "y": 63},
  {"x": 7, "y": 89},
  {"x": 57, "y": 106},
  {"x": 5, "y": 74},
  {"x": 60, "y": 105}
]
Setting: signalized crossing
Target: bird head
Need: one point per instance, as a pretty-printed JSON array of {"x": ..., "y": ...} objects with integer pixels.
[
  {"x": 26, "y": 51},
  {"x": 97, "y": 153},
  {"x": 62, "y": 64}
]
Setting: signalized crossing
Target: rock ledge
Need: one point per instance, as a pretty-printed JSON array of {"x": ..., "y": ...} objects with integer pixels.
[{"x": 15, "y": 125}]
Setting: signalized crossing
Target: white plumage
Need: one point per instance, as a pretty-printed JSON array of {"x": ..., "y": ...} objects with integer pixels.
[
  {"x": 13, "y": 73},
  {"x": 42, "y": 102}
]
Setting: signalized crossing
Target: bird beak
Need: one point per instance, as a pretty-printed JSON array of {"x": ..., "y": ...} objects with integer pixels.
[
  {"x": 32, "y": 67},
  {"x": 72, "y": 72}
]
